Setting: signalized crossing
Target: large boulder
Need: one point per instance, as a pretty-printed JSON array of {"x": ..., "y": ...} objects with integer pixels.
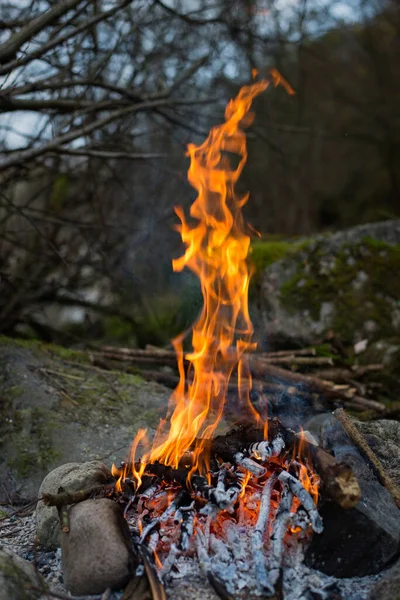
[
  {"x": 366, "y": 538},
  {"x": 97, "y": 551},
  {"x": 345, "y": 283},
  {"x": 389, "y": 586},
  {"x": 383, "y": 436},
  {"x": 56, "y": 408},
  {"x": 71, "y": 477}
]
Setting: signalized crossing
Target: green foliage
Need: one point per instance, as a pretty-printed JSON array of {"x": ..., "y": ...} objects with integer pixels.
[
  {"x": 117, "y": 329},
  {"x": 161, "y": 318}
]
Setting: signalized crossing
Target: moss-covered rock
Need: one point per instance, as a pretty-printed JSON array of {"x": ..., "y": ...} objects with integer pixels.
[
  {"x": 347, "y": 282},
  {"x": 18, "y": 578},
  {"x": 264, "y": 253},
  {"x": 56, "y": 408}
]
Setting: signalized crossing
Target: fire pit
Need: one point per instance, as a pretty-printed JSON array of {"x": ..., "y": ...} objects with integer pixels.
[
  {"x": 234, "y": 494},
  {"x": 246, "y": 501}
]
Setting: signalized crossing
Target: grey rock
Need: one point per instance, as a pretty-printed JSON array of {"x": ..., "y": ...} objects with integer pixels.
[
  {"x": 389, "y": 587},
  {"x": 363, "y": 540},
  {"x": 97, "y": 552},
  {"x": 71, "y": 477},
  {"x": 17, "y": 577},
  {"x": 56, "y": 408},
  {"x": 325, "y": 288}
]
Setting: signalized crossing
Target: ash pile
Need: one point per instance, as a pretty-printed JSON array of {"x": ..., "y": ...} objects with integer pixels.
[{"x": 246, "y": 521}]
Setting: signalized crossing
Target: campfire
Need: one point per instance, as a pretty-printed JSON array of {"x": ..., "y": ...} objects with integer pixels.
[
  {"x": 239, "y": 496},
  {"x": 231, "y": 491}
]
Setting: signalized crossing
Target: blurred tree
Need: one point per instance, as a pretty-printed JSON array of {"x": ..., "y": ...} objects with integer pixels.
[{"x": 98, "y": 99}]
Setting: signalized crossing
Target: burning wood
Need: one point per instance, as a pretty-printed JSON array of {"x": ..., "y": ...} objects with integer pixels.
[
  {"x": 254, "y": 490},
  {"x": 271, "y": 501}
]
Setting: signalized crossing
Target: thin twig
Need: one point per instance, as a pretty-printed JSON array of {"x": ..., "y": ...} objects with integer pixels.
[{"x": 359, "y": 440}]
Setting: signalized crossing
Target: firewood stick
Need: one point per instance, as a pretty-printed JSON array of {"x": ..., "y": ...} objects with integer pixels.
[
  {"x": 296, "y": 352},
  {"x": 298, "y": 490},
  {"x": 150, "y": 357},
  {"x": 299, "y": 360},
  {"x": 393, "y": 413},
  {"x": 258, "y": 536},
  {"x": 359, "y": 440},
  {"x": 171, "y": 380},
  {"x": 157, "y": 589},
  {"x": 282, "y": 519},
  {"x": 156, "y": 353},
  {"x": 65, "y": 498},
  {"x": 169, "y": 357},
  {"x": 344, "y": 375},
  {"x": 260, "y": 368},
  {"x": 339, "y": 482}
]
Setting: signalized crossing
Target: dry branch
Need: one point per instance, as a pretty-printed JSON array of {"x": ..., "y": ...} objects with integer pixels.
[
  {"x": 57, "y": 41},
  {"x": 262, "y": 366},
  {"x": 65, "y": 498},
  {"x": 9, "y": 49},
  {"x": 359, "y": 440}
]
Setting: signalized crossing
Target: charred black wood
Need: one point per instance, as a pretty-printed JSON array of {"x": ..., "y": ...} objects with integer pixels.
[
  {"x": 154, "y": 523},
  {"x": 181, "y": 499},
  {"x": 240, "y": 439},
  {"x": 168, "y": 474},
  {"x": 218, "y": 586}
]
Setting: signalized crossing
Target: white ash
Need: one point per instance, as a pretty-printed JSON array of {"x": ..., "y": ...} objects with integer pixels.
[{"x": 229, "y": 563}]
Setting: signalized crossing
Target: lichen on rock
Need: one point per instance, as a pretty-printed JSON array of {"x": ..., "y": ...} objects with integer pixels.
[
  {"x": 57, "y": 408},
  {"x": 18, "y": 578},
  {"x": 346, "y": 282}
]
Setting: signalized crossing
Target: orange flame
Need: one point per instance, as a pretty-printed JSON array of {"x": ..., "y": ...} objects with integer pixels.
[{"x": 216, "y": 250}]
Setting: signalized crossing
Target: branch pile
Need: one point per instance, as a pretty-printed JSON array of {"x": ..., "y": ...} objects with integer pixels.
[{"x": 296, "y": 372}]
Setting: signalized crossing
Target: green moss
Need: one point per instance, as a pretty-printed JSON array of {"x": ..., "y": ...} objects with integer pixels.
[
  {"x": 37, "y": 347},
  {"x": 35, "y": 446},
  {"x": 265, "y": 252},
  {"x": 333, "y": 282},
  {"x": 17, "y": 583}
]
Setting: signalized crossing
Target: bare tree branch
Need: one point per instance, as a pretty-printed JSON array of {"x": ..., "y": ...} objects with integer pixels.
[{"x": 10, "y": 48}]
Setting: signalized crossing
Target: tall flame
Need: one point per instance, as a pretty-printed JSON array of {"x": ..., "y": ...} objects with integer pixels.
[{"x": 216, "y": 251}]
